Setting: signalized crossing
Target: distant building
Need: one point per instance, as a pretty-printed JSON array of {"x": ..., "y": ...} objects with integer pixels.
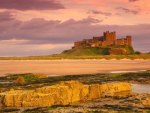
[{"x": 108, "y": 39}]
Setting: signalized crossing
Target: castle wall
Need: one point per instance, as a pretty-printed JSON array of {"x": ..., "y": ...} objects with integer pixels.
[
  {"x": 96, "y": 44},
  {"x": 79, "y": 44},
  {"x": 96, "y": 38},
  {"x": 124, "y": 41},
  {"x": 120, "y": 42}
]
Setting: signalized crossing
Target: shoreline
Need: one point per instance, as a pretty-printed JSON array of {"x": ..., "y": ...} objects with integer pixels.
[
  {"x": 103, "y": 59},
  {"x": 71, "y": 67},
  {"x": 122, "y": 92},
  {"x": 76, "y": 57}
]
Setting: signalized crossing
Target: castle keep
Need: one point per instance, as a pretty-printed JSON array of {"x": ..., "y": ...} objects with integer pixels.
[{"x": 107, "y": 40}]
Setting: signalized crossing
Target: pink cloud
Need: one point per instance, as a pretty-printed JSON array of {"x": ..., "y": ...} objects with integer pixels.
[{"x": 41, "y": 31}]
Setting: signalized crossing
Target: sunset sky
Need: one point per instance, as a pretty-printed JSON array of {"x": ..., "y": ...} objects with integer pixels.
[{"x": 42, "y": 27}]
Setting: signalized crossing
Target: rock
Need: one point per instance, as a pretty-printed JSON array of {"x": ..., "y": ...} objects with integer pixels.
[
  {"x": 109, "y": 89},
  {"x": 1, "y": 102},
  {"x": 146, "y": 102},
  {"x": 85, "y": 92},
  {"x": 63, "y": 93},
  {"x": 16, "y": 97},
  {"x": 40, "y": 75},
  {"x": 94, "y": 91},
  {"x": 39, "y": 100},
  {"x": 75, "y": 87},
  {"x": 20, "y": 80}
]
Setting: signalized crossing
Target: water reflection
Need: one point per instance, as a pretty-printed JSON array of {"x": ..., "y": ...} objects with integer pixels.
[
  {"x": 131, "y": 71},
  {"x": 140, "y": 88},
  {"x": 136, "y": 88}
]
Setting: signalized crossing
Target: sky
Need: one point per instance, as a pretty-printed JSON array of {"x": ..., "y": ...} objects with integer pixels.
[{"x": 43, "y": 27}]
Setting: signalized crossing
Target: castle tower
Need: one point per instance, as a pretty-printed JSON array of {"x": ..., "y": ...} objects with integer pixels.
[
  {"x": 106, "y": 35},
  {"x": 110, "y": 37},
  {"x": 129, "y": 40}
]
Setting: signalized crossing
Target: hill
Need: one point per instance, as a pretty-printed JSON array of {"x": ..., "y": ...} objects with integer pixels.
[
  {"x": 108, "y": 44},
  {"x": 86, "y": 51},
  {"x": 94, "y": 51}
]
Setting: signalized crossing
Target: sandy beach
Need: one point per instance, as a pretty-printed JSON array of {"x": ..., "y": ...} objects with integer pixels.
[{"x": 70, "y": 67}]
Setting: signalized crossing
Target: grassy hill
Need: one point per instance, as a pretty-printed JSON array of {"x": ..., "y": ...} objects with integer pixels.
[{"x": 89, "y": 51}]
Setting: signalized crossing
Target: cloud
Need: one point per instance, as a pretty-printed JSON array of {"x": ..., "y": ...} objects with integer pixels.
[
  {"x": 7, "y": 48},
  {"x": 43, "y": 32},
  {"x": 13, "y": 42},
  {"x": 128, "y": 10},
  {"x": 30, "y": 4},
  {"x": 6, "y": 16},
  {"x": 133, "y": 0},
  {"x": 100, "y": 12}
]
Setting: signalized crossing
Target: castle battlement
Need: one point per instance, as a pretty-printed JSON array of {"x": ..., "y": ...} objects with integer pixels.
[{"x": 108, "y": 39}]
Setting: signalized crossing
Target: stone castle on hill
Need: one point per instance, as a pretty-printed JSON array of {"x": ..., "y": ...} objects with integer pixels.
[{"x": 107, "y": 40}]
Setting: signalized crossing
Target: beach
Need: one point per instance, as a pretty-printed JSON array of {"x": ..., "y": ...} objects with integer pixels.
[
  {"x": 100, "y": 89},
  {"x": 71, "y": 67}
]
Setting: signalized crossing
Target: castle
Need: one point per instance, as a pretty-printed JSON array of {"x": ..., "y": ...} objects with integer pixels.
[{"x": 107, "y": 40}]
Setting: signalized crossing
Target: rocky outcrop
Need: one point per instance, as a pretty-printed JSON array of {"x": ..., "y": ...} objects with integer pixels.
[
  {"x": 146, "y": 102},
  {"x": 63, "y": 93},
  {"x": 1, "y": 102}
]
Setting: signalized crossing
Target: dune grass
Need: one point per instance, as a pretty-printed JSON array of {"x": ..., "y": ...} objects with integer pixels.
[
  {"x": 65, "y": 56},
  {"x": 86, "y": 53}
]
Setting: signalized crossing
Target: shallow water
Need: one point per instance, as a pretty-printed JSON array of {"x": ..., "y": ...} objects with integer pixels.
[
  {"x": 140, "y": 88},
  {"x": 127, "y": 71}
]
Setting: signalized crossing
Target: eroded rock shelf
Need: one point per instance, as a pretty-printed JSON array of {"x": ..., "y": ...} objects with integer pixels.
[{"x": 63, "y": 93}]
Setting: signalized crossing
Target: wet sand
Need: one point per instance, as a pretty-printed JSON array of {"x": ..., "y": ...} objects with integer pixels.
[{"x": 70, "y": 67}]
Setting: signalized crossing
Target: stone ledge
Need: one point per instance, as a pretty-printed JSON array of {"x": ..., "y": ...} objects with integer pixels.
[{"x": 63, "y": 93}]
